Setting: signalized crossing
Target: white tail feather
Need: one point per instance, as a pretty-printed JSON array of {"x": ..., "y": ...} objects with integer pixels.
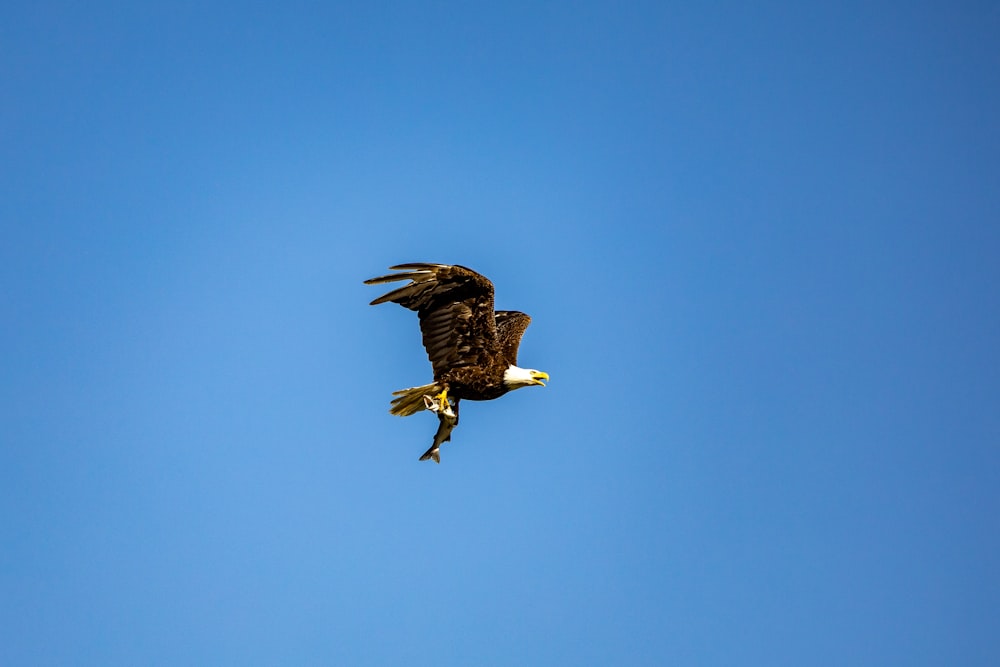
[{"x": 411, "y": 401}]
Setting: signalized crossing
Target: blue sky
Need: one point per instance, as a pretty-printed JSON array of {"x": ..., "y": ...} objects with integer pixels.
[{"x": 759, "y": 244}]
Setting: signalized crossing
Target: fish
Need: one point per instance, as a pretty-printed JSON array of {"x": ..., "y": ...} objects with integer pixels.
[{"x": 447, "y": 421}]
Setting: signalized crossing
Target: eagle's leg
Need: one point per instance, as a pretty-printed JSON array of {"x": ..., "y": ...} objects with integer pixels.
[{"x": 442, "y": 399}]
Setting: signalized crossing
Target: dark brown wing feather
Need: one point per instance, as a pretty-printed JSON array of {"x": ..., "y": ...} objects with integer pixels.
[
  {"x": 510, "y": 327},
  {"x": 455, "y": 307}
]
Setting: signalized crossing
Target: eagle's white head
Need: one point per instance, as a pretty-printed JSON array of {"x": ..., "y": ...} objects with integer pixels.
[{"x": 515, "y": 378}]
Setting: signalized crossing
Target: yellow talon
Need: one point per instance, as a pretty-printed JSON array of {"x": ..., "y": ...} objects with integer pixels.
[{"x": 443, "y": 400}]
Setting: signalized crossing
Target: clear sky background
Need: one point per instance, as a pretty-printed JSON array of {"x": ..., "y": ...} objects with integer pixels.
[{"x": 760, "y": 245}]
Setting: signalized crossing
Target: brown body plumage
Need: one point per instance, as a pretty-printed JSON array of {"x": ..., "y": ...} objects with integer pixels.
[{"x": 472, "y": 348}]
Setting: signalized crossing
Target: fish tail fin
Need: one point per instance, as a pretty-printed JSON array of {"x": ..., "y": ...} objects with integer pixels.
[
  {"x": 433, "y": 454},
  {"x": 411, "y": 401}
]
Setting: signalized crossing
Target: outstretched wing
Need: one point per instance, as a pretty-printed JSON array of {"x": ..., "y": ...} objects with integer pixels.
[
  {"x": 455, "y": 307},
  {"x": 510, "y": 327}
]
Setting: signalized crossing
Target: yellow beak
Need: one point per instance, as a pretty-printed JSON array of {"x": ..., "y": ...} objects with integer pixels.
[{"x": 538, "y": 376}]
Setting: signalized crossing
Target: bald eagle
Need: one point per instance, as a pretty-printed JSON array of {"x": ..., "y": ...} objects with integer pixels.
[{"x": 472, "y": 348}]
